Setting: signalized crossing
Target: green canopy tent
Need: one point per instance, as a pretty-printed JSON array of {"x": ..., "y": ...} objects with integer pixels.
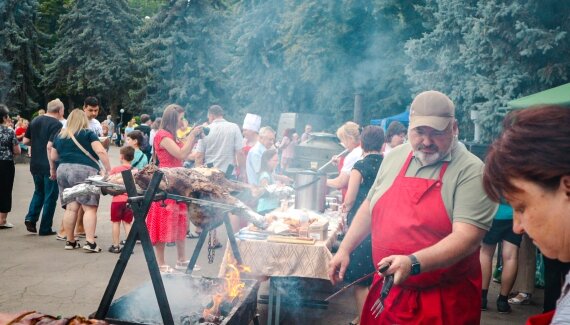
[{"x": 555, "y": 96}]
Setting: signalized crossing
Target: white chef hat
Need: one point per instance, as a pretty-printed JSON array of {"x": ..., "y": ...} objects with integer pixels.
[{"x": 252, "y": 122}]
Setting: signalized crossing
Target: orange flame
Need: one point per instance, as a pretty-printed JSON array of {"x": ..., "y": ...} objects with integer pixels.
[
  {"x": 215, "y": 309},
  {"x": 231, "y": 289}
]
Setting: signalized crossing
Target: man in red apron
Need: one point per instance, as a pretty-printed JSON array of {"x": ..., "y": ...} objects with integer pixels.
[{"x": 428, "y": 213}]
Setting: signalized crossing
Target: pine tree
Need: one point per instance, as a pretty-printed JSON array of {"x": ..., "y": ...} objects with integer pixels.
[
  {"x": 313, "y": 56},
  {"x": 259, "y": 80},
  {"x": 49, "y": 13},
  {"x": 92, "y": 57},
  {"x": 20, "y": 63},
  {"x": 181, "y": 58},
  {"x": 486, "y": 53}
]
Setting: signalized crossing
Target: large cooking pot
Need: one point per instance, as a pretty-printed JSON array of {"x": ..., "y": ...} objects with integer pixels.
[{"x": 310, "y": 190}]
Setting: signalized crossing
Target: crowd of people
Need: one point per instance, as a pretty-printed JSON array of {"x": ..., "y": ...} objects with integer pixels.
[{"x": 417, "y": 202}]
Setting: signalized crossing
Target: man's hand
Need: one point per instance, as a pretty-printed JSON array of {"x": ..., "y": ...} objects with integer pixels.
[
  {"x": 400, "y": 266},
  {"x": 338, "y": 265},
  {"x": 52, "y": 174}
]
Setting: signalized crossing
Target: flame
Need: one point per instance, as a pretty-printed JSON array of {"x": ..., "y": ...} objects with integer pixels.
[
  {"x": 234, "y": 285},
  {"x": 215, "y": 309},
  {"x": 231, "y": 289}
]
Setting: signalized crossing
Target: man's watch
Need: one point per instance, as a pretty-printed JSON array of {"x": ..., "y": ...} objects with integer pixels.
[{"x": 416, "y": 267}]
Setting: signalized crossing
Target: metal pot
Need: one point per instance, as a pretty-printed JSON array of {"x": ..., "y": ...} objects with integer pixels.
[{"x": 310, "y": 190}]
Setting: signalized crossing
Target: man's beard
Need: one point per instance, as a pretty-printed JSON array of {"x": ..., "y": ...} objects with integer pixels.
[{"x": 431, "y": 158}]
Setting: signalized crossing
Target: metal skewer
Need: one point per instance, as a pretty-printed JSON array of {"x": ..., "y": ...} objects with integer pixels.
[
  {"x": 332, "y": 159},
  {"x": 343, "y": 289}
]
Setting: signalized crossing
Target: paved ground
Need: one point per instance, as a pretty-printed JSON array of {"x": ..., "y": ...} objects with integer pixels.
[{"x": 36, "y": 273}]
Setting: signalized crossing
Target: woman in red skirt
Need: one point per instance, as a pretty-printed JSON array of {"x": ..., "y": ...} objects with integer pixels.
[{"x": 168, "y": 223}]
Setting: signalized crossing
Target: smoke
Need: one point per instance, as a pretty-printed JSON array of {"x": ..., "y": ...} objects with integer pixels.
[
  {"x": 373, "y": 66},
  {"x": 186, "y": 296}
]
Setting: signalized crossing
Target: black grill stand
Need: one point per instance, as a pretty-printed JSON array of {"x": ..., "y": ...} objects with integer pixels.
[{"x": 140, "y": 206}]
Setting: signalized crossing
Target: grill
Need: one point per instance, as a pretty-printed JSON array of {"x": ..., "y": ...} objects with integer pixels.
[
  {"x": 188, "y": 296},
  {"x": 170, "y": 299}
]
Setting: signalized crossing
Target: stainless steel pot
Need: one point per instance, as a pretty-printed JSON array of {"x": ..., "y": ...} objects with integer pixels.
[{"x": 310, "y": 190}]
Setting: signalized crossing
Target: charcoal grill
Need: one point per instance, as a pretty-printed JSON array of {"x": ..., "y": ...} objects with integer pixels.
[
  {"x": 157, "y": 309},
  {"x": 188, "y": 298}
]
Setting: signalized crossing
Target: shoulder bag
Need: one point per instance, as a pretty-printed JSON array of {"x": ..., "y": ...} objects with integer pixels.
[{"x": 86, "y": 152}]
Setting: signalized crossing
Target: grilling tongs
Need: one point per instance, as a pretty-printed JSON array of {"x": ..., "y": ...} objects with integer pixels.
[{"x": 378, "y": 306}]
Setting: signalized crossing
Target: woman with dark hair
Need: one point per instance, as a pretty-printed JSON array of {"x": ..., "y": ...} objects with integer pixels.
[
  {"x": 362, "y": 177},
  {"x": 167, "y": 224},
  {"x": 9, "y": 147},
  {"x": 269, "y": 161},
  {"x": 135, "y": 139},
  {"x": 395, "y": 136},
  {"x": 529, "y": 165}
]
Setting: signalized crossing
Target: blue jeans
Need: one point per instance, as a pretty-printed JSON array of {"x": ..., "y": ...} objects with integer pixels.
[{"x": 45, "y": 196}]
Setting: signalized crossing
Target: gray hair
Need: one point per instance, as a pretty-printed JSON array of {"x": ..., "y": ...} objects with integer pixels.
[
  {"x": 264, "y": 131},
  {"x": 55, "y": 105}
]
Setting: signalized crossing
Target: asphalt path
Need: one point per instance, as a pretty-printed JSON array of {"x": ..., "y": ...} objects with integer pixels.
[{"x": 37, "y": 273}]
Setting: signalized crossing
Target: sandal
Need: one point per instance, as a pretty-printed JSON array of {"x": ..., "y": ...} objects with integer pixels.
[
  {"x": 522, "y": 298},
  {"x": 192, "y": 235},
  {"x": 183, "y": 265},
  {"x": 166, "y": 269}
]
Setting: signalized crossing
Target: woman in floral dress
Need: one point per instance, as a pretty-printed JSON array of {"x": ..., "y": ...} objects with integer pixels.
[{"x": 9, "y": 147}]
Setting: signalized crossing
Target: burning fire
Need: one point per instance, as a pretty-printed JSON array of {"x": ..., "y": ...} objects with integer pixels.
[{"x": 231, "y": 289}]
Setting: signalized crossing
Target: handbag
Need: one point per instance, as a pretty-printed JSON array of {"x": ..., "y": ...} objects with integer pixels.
[{"x": 86, "y": 152}]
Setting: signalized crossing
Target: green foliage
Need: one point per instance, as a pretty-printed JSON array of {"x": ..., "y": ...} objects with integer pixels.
[
  {"x": 92, "y": 57},
  {"x": 180, "y": 58},
  {"x": 146, "y": 8},
  {"x": 313, "y": 56},
  {"x": 49, "y": 13},
  {"x": 486, "y": 53},
  {"x": 20, "y": 64}
]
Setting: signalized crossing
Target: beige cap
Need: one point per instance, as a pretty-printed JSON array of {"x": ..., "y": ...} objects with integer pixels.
[
  {"x": 252, "y": 122},
  {"x": 432, "y": 108}
]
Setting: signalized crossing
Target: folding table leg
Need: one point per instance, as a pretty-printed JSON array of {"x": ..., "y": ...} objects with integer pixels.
[
  {"x": 271, "y": 302},
  {"x": 277, "y": 302}
]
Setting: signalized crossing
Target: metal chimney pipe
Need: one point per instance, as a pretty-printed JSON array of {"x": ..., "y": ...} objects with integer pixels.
[
  {"x": 357, "y": 118},
  {"x": 477, "y": 122}
]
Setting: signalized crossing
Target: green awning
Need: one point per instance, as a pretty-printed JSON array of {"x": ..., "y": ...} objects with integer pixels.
[{"x": 556, "y": 96}]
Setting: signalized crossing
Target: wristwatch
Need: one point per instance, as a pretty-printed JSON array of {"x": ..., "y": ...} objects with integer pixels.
[{"x": 416, "y": 267}]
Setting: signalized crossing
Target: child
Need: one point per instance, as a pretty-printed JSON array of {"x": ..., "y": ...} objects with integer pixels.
[
  {"x": 119, "y": 210},
  {"x": 135, "y": 139},
  {"x": 269, "y": 161}
]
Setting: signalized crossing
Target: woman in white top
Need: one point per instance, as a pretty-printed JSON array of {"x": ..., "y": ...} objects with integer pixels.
[{"x": 349, "y": 136}]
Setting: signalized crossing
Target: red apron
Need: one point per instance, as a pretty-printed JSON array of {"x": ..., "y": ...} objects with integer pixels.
[
  {"x": 541, "y": 319},
  {"x": 409, "y": 217}
]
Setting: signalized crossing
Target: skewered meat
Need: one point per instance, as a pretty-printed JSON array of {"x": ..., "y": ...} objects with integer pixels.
[
  {"x": 35, "y": 318},
  {"x": 184, "y": 181},
  {"x": 207, "y": 184}
]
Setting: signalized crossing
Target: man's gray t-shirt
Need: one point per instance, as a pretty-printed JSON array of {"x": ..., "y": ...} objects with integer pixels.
[{"x": 221, "y": 144}]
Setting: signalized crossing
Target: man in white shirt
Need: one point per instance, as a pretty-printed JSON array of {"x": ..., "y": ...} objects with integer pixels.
[{"x": 253, "y": 162}]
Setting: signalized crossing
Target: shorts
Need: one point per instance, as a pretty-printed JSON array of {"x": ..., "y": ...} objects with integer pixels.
[
  {"x": 502, "y": 230},
  {"x": 69, "y": 175},
  {"x": 121, "y": 212}
]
